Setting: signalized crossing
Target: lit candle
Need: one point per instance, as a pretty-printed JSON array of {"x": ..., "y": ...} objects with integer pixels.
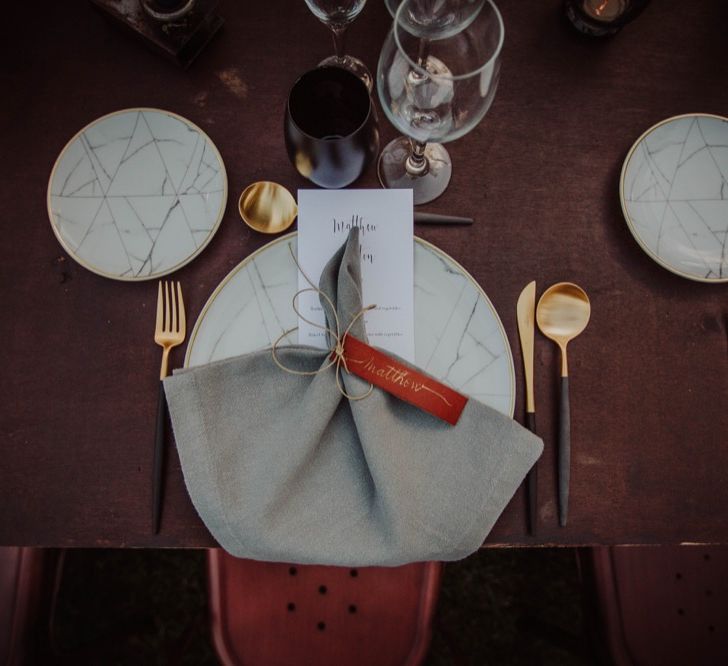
[{"x": 605, "y": 10}]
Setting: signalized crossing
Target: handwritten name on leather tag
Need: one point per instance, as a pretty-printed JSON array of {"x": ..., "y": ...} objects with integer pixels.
[{"x": 402, "y": 381}]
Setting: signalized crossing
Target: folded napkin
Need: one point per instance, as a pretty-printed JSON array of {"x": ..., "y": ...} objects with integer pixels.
[{"x": 282, "y": 467}]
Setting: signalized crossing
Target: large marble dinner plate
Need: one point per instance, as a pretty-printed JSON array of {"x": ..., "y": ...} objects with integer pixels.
[
  {"x": 459, "y": 338},
  {"x": 137, "y": 194},
  {"x": 674, "y": 193}
]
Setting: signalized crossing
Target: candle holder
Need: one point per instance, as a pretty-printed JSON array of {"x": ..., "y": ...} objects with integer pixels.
[
  {"x": 600, "y": 18},
  {"x": 178, "y": 29}
]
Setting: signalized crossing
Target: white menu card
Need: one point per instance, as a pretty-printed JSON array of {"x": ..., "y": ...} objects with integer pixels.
[{"x": 386, "y": 235}]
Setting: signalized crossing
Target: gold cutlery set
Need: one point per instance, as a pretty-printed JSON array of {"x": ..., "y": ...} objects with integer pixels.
[{"x": 562, "y": 313}]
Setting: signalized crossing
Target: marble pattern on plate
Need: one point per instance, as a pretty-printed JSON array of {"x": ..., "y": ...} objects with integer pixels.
[
  {"x": 137, "y": 193},
  {"x": 676, "y": 195},
  {"x": 458, "y": 336}
]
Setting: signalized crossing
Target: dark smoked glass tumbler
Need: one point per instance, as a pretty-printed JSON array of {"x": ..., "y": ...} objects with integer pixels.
[{"x": 330, "y": 127}]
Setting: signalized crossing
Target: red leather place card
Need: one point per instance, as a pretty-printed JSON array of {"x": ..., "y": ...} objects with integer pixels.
[{"x": 402, "y": 381}]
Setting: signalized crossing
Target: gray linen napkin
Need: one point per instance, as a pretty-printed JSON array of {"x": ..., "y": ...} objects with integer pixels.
[{"x": 283, "y": 468}]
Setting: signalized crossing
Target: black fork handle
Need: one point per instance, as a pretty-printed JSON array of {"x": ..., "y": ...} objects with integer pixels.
[{"x": 159, "y": 451}]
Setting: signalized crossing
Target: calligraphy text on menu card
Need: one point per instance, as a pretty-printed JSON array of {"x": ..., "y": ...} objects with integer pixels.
[{"x": 384, "y": 219}]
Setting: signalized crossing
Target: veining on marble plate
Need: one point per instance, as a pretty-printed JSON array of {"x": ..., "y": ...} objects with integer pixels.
[
  {"x": 137, "y": 194},
  {"x": 458, "y": 336},
  {"x": 675, "y": 193}
]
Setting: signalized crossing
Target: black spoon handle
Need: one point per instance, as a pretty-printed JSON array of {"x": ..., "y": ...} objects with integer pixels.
[{"x": 564, "y": 451}]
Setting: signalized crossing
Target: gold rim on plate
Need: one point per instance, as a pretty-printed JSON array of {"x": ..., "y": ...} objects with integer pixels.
[{"x": 424, "y": 243}]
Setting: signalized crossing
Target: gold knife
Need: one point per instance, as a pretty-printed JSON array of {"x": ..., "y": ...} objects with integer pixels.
[{"x": 526, "y": 311}]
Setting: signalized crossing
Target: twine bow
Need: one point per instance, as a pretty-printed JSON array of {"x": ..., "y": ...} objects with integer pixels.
[{"x": 336, "y": 352}]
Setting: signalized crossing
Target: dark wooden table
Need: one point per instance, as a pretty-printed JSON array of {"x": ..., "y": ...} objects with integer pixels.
[{"x": 540, "y": 175}]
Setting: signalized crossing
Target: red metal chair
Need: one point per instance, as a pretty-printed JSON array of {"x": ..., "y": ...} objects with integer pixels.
[
  {"x": 660, "y": 605},
  {"x": 266, "y": 614},
  {"x": 23, "y": 592}
]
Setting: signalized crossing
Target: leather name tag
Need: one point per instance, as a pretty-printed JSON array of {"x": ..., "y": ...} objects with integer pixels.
[{"x": 402, "y": 381}]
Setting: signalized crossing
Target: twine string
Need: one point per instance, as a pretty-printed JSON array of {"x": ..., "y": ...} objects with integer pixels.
[{"x": 336, "y": 352}]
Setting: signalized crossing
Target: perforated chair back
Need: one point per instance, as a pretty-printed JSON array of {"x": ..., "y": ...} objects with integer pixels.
[
  {"x": 662, "y": 605},
  {"x": 267, "y": 614}
]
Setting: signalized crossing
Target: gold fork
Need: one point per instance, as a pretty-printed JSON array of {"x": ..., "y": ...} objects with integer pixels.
[
  {"x": 168, "y": 332},
  {"x": 170, "y": 329}
]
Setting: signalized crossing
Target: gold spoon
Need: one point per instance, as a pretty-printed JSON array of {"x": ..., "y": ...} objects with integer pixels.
[
  {"x": 267, "y": 207},
  {"x": 562, "y": 313}
]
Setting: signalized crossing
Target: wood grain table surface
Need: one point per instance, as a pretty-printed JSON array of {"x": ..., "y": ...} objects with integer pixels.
[{"x": 649, "y": 377}]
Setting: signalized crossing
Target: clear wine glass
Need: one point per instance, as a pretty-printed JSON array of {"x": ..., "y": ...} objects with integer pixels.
[
  {"x": 337, "y": 15},
  {"x": 437, "y": 77},
  {"x": 439, "y": 15}
]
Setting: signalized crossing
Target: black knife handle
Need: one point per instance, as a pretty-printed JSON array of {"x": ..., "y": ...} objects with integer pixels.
[
  {"x": 532, "y": 481},
  {"x": 564, "y": 451},
  {"x": 434, "y": 218},
  {"x": 159, "y": 448}
]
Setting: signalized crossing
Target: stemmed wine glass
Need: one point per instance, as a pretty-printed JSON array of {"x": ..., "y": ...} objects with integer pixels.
[
  {"x": 453, "y": 14},
  {"x": 437, "y": 76},
  {"x": 338, "y": 14}
]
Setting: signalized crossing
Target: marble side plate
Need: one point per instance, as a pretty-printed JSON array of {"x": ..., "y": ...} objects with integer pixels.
[
  {"x": 674, "y": 193},
  {"x": 137, "y": 194},
  {"x": 459, "y": 337}
]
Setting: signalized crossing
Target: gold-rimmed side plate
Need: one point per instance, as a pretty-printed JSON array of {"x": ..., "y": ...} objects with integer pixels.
[
  {"x": 674, "y": 195},
  {"x": 137, "y": 194}
]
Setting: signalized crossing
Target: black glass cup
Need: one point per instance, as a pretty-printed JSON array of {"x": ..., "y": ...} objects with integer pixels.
[{"x": 330, "y": 127}]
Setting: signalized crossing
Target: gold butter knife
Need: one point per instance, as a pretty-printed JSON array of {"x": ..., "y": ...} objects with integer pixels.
[{"x": 525, "y": 310}]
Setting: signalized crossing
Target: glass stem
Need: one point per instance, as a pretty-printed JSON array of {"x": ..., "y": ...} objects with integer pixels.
[
  {"x": 417, "y": 164},
  {"x": 339, "y": 33},
  {"x": 423, "y": 52}
]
